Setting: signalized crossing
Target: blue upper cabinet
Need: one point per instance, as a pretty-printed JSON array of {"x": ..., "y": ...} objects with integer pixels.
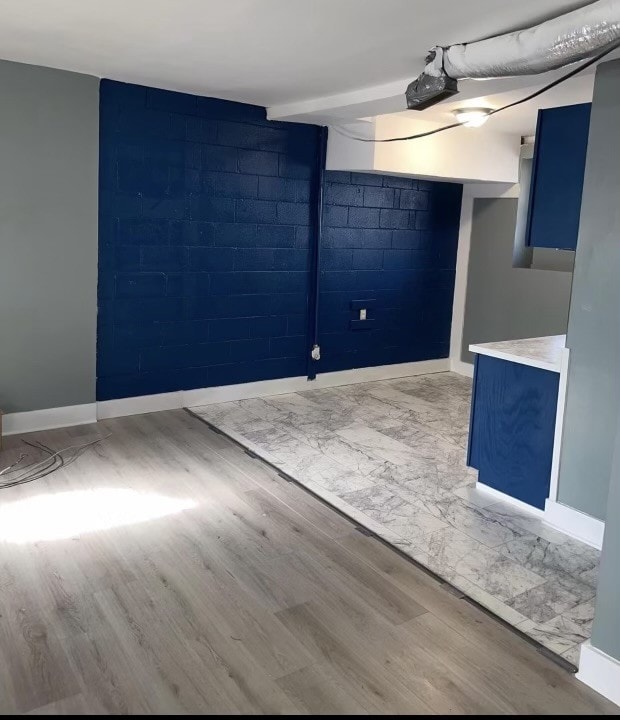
[{"x": 557, "y": 176}]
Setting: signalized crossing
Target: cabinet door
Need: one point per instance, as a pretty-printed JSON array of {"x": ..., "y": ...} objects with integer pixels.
[
  {"x": 557, "y": 176},
  {"x": 512, "y": 428}
]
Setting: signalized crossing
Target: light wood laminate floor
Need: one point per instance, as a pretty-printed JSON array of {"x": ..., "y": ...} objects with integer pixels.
[
  {"x": 392, "y": 455},
  {"x": 167, "y": 571}
]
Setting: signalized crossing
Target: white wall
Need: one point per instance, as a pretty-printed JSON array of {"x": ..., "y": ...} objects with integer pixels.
[
  {"x": 461, "y": 154},
  {"x": 346, "y": 154}
]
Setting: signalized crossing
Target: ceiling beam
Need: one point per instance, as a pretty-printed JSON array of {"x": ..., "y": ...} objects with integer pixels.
[{"x": 390, "y": 98}]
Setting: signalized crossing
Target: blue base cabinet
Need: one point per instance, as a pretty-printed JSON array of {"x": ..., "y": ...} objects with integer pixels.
[{"x": 512, "y": 428}]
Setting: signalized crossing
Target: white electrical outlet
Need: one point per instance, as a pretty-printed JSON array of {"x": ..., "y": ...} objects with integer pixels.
[{"x": 363, "y": 315}]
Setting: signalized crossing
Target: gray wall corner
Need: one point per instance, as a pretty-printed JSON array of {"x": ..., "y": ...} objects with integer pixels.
[
  {"x": 593, "y": 336},
  {"x": 49, "y": 130}
]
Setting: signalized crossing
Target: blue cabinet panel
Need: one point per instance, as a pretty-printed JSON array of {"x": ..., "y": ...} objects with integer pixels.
[
  {"x": 512, "y": 428},
  {"x": 557, "y": 176}
]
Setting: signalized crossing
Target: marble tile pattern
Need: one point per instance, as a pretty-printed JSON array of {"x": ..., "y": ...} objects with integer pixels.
[
  {"x": 391, "y": 454},
  {"x": 544, "y": 352}
]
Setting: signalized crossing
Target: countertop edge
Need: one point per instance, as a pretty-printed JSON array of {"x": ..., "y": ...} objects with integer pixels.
[{"x": 521, "y": 359}]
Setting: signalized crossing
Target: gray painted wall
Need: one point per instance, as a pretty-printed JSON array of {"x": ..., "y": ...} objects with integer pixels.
[
  {"x": 49, "y": 126},
  {"x": 505, "y": 302},
  {"x": 606, "y": 628},
  {"x": 593, "y": 395}
]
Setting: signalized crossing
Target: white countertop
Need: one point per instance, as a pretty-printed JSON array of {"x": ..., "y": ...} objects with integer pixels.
[{"x": 542, "y": 352}]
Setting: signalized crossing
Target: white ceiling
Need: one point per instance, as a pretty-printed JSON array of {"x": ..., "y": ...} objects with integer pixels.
[{"x": 261, "y": 51}]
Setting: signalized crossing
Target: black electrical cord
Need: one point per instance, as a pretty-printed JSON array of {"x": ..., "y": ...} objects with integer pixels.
[
  {"x": 533, "y": 95},
  {"x": 17, "y": 464},
  {"x": 38, "y": 469},
  {"x": 54, "y": 461}
]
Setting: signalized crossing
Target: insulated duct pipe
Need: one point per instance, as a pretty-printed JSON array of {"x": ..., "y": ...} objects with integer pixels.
[{"x": 553, "y": 44}]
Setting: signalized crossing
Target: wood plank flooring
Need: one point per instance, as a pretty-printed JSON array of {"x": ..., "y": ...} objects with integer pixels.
[{"x": 194, "y": 579}]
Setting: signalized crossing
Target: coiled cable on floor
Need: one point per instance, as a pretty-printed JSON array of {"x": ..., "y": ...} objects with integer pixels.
[{"x": 36, "y": 470}]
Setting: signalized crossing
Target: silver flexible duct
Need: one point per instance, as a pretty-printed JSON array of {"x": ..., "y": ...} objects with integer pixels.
[
  {"x": 566, "y": 39},
  {"x": 553, "y": 44}
]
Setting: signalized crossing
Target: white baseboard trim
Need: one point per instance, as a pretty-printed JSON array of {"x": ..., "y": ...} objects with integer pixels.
[
  {"x": 48, "y": 419},
  {"x": 381, "y": 372},
  {"x": 263, "y": 388},
  {"x": 462, "y": 368},
  {"x": 600, "y": 671},
  {"x": 508, "y": 499},
  {"x": 24, "y": 422},
  {"x": 139, "y": 405},
  {"x": 244, "y": 391},
  {"x": 575, "y": 523}
]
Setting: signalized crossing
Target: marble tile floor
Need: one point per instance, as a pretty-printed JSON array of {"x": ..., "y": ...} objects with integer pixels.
[{"x": 391, "y": 454}]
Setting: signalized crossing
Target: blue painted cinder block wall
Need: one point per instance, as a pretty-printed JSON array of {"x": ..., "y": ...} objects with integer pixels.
[
  {"x": 389, "y": 244},
  {"x": 204, "y": 242},
  {"x": 206, "y": 226}
]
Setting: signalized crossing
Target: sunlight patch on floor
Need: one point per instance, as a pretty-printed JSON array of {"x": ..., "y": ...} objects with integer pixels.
[{"x": 70, "y": 514}]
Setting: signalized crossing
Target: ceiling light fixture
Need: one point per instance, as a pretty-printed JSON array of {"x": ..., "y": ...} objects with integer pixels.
[{"x": 472, "y": 117}]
